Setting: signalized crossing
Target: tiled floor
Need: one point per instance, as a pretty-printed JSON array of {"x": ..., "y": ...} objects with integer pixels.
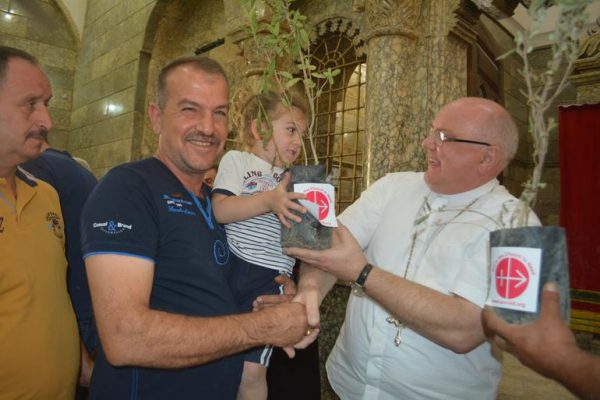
[{"x": 521, "y": 383}]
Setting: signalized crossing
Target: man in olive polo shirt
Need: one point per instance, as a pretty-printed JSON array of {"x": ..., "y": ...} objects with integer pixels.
[{"x": 39, "y": 345}]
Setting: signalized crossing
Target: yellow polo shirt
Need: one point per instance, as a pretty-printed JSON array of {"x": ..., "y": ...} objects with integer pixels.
[{"x": 39, "y": 344}]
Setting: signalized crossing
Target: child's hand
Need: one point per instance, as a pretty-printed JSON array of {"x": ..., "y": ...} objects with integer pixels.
[{"x": 281, "y": 202}]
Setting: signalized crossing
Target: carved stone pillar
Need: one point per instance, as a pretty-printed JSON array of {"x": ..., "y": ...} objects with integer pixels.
[
  {"x": 417, "y": 54},
  {"x": 446, "y": 51},
  {"x": 586, "y": 70},
  {"x": 390, "y": 32}
]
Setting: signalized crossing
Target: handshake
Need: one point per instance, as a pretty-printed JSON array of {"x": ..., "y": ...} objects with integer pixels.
[{"x": 287, "y": 318}]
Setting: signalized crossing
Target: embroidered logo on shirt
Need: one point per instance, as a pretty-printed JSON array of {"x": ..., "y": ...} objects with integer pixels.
[
  {"x": 258, "y": 184},
  {"x": 112, "y": 227},
  {"x": 220, "y": 252},
  {"x": 175, "y": 204},
  {"x": 54, "y": 224}
]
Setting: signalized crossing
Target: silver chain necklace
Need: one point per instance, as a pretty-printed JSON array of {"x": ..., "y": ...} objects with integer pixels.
[{"x": 420, "y": 218}]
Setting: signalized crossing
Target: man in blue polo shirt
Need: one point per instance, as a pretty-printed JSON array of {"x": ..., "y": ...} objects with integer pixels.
[
  {"x": 157, "y": 261},
  {"x": 73, "y": 183}
]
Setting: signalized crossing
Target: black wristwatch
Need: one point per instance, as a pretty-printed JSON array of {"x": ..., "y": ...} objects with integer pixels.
[{"x": 359, "y": 284}]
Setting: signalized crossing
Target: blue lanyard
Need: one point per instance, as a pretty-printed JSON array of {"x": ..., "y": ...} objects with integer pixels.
[{"x": 207, "y": 214}]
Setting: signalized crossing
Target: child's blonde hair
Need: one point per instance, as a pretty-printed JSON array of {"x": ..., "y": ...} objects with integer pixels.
[{"x": 268, "y": 104}]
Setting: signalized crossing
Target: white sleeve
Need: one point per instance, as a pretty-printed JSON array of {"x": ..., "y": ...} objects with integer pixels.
[{"x": 229, "y": 174}]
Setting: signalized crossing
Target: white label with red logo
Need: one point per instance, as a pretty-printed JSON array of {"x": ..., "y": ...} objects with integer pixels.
[
  {"x": 320, "y": 201},
  {"x": 515, "y": 278}
]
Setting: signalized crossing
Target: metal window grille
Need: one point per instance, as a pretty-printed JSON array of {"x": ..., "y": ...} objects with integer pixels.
[{"x": 340, "y": 116}]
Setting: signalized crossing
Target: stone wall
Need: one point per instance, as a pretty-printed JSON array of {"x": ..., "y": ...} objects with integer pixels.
[
  {"x": 40, "y": 28},
  {"x": 104, "y": 96}
]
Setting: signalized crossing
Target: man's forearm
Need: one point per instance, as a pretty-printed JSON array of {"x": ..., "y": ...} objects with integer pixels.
[
  {"x": 313, "y": 279},
  {"x": 134, "y": 334},
  {"x": 162, "y": 340},
  {"x": 450, "y": 321},
  {"x": 579, "y": 371}
]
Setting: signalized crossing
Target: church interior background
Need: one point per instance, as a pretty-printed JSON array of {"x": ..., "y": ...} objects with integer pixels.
[{"x": 400, "y": 61}]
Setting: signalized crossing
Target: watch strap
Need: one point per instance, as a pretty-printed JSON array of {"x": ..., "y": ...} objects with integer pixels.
[{"x": 360, "y": 281}]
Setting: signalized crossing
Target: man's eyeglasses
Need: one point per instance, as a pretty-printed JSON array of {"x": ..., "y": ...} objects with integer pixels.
[{"x": 440, "y": 137}]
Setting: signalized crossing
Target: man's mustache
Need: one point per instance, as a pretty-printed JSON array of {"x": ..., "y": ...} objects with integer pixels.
[
  {"x": 201, "y": 137},
  {"x": 41, "y": 133}
]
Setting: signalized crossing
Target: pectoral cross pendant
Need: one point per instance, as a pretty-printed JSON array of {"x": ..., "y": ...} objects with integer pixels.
[{"x": 399, "y": 326}]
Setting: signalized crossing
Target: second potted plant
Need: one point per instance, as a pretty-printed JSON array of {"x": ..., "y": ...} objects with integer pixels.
[{"x": 515, "y": 249}]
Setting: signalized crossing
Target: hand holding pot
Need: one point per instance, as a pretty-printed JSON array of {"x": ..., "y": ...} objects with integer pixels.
[
  {"x": 530, "y": 342},
  {"x": 548, "y": 346},
  {"x": 344, "y": 259},
  {"x": 281, "y": 202}
]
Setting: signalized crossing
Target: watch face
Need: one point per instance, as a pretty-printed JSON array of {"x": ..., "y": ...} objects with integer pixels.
[{"x": 357, "y": 290}]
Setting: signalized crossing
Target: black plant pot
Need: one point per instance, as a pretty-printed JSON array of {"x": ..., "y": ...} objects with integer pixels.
[
  {"x": 554, "y": 265},
  {"x": 308, "y": 233}
]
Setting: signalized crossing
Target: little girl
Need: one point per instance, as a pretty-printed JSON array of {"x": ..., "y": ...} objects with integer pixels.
[{"x": 250, "y": 197}]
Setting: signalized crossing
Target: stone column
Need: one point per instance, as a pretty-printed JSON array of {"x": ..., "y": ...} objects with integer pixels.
[
  {"x": 390, "y": 33},
  {"x": 417, "y": 54},
  {"x": 442, "y": 60},
  {"x": 420, "y": 56}
]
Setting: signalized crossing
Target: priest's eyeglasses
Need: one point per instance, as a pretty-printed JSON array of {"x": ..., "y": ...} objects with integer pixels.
[{"x": 440, "y": 137}]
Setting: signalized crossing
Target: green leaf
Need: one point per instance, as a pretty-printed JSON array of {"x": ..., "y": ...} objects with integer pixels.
[
  {"x": 291, "y": 82},
  {"x": 275, "y": 30},
  {"x": 308, "y": 83},
  {"x": 303, "y": 37},
  {"x": 286, "y": 75},
  {"x": 253, "y": 21}
]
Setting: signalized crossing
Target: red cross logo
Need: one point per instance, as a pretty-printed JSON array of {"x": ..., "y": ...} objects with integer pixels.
[
  {"x": 320, "y": 199},
  {"x": 512, "y": 277}
]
